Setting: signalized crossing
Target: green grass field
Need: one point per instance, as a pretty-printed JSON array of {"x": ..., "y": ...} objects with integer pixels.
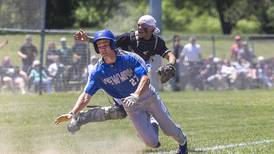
[{"x": 209, "y": 119}]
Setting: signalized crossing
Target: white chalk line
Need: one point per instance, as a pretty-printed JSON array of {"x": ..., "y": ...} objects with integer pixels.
[{"x": 219, "y": 147}]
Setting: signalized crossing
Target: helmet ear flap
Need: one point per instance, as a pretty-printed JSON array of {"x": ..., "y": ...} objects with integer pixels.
[
  {"x": 112, "y": 45},
  {"x": 96, "y": 49}
]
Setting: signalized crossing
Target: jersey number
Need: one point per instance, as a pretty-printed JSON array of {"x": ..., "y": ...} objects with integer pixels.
[{"x": 134, "y": 80}]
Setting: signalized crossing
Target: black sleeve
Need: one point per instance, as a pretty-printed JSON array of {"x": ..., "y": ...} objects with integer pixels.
[
  {"x": 161, "y": 48},
  {"x": 123, "y": 41}
]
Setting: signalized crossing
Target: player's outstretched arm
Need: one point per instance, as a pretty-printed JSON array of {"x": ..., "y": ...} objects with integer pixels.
[
  {"x": 81, "y": 103},
  {"x": 171, "y": 58}
]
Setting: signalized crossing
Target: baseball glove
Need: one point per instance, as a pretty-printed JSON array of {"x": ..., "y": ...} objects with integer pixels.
[
  {"x": 166, "y": 72},
  {"x": 81, "y": 35}
]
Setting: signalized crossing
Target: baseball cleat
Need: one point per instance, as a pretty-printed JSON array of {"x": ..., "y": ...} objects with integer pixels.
[{"x": 182, "y": 149}]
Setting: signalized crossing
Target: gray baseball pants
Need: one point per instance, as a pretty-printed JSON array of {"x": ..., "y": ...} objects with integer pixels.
[{"x": 150, "y": 103}]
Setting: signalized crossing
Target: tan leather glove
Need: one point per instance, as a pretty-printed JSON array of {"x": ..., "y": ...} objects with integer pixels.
[{"x": 63, "y": 118}]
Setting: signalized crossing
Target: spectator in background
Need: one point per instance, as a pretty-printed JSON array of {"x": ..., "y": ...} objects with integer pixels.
[
  {"x": 80, "y": 52},
  {"x": 34, "y": 77},
  {"x": 7, "y": 71},
  {"x": 52, "y": 54},
  {"x": 247, "y": 53},
  {"x": 4, "y": 43},
  {"x": 65, "y": 52},
  {"x": 56, "y": 73},
  {"x": 28, "y": 53},
  {"x": 90, "y": 68},
  {"x": 19, "y": 79},
  {"x": 93, "y": 61},
  {"x": 191, "y": 58},
  {"x": 242, "y": 66},
  {"x": 236, "y": 48},
  {"x": 12, "y": 77},
  {"x": 177, "y": 49},
  {"x": 191, "y": 51}
]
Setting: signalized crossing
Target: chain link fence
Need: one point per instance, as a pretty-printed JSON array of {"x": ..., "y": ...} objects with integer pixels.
[{"x": 34, "y": 59}]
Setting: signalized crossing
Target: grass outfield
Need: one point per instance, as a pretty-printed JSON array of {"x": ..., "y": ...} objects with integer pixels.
[{"x": 209, "y": 118}]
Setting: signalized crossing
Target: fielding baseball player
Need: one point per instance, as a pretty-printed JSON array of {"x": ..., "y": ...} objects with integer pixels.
[
  {"x": 144, "y": 43},
  {"x": 124, "y": 76}
]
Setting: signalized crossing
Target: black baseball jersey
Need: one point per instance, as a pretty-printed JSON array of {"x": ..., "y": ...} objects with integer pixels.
[{"x": 144, "y": 48}]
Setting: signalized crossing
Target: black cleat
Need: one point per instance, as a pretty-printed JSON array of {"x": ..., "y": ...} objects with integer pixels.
[{"x": 182, "y": 149}]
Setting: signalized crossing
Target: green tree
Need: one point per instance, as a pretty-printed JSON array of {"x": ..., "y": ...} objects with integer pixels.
[
  {"x": 264, "y": 11},
  {"x": 126, "y": 17},
  {"x": 20, "y": 14},
  {"x": 253, "y": 12},
  {"x": 244, "y": 16},
  {"x": 59, "y": 13},
  {"x": 91, "y": 13}
]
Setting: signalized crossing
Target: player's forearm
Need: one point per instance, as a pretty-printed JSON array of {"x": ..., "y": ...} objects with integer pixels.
[
  {"x": 170, "y": 57},
  {"x": 81, "y": 103},
  {"x": 143, "y": 85}
]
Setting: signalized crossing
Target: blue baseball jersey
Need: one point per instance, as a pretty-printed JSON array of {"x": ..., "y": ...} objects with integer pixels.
[{"x": 120, "y": 79}]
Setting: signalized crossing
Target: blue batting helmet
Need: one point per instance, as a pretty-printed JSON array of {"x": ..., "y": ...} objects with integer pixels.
[{"x": 103, "y": 34}]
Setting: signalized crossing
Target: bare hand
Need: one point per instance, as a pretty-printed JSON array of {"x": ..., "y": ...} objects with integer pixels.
[
  {"x": 81, "y": 35},
  {"x": 63, "y": 118}
]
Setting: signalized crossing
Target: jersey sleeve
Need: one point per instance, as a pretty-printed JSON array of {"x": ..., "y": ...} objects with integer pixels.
[
  {"x": 123, "y": 41},
  {"x": 92, "y": 85},
  {"x": 161, "y": 48}
]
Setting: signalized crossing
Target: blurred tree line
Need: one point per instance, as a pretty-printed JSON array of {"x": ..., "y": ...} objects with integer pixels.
[{"x": 200, "y": 16}]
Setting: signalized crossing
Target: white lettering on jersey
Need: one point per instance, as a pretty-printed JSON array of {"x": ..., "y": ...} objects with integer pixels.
[{"x": 119, "y": 77}]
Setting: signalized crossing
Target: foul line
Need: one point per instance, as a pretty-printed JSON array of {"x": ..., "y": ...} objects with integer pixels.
[{"x": 221, "y": 147}]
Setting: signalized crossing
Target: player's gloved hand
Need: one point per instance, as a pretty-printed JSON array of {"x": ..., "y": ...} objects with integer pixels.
[
  {"x": 81, "y": 35},
  {"x": 166, "y": 72},
  {"x": 130, "y": 100},
  {"x": 62, "y": 118}
]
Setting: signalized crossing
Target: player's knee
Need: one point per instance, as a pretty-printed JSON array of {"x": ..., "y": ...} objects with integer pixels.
[
  {"x": 153, "y": 143},
  {"x": 115, "y": 112}
]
